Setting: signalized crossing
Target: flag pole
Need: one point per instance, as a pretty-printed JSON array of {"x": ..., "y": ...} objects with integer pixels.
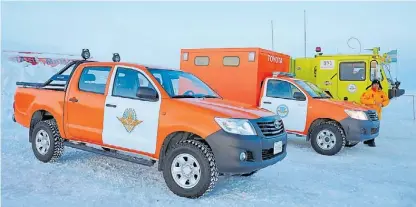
[
  {"x": 272, "y": 35},
  {"x": 304, "y": 28},
  {"x": 397, "y": 64}
]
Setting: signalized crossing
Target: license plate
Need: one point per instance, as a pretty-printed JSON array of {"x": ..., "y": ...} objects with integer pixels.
[{"x": 278, "y": 147}]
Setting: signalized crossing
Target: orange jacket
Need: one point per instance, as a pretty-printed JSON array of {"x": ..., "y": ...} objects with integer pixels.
[{"x": 375, "y": 100}]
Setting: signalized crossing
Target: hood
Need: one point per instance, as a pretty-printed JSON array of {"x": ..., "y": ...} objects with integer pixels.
[
  {"x": 228, "y": 109},
  {"x": 345, "y": 104}
]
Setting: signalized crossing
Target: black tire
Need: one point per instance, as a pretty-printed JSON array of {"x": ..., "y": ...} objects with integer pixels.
[
  {"x": 205, "y": 158},
  {"x": 336, "y": 130},
  {"x": 249, "y": 174},
  {"x": 351, "y": 143},
  {"x": 56, "y": 146}
]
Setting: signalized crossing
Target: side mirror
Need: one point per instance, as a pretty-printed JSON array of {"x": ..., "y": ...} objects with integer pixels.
[
  {"x": 299, "y": 96},
  {"x": 147, "y": 93}
]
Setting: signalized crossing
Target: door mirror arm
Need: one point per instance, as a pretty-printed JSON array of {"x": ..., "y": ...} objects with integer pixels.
[
  {"x": 299, "y": 96},
  {"x": 147, "y": 94}
]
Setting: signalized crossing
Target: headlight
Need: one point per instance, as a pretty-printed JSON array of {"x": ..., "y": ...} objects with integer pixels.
[
  {"x": 356, "y": 114},
  {"x": 236, "y": 126}
]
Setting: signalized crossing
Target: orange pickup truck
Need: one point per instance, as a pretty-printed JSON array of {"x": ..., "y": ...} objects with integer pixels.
[
  {"x": 259, "y": 78},
  {"x": 143, "y": 115}
]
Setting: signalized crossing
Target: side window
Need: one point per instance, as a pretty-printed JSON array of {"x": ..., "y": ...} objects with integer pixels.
[
  {"x": 279, "y": 89},
  {"x": 294, "y": 89},
  {"x": 231, "y": 61},
  {"x": 94, "y": 79},
  {"x": 375, "y": 71},
  {"x": 127, "y": 82},
  {"x": 352, "y": 71},
  {"x": 201, "y": 60}
]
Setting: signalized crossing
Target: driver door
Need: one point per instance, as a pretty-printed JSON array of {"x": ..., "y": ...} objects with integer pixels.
[
  {"x": 279, "y": 98},
  {"x": 130, "y": 122}
]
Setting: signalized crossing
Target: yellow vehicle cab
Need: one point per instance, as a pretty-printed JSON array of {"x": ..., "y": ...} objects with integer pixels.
[{"x": 346, "y": 76}]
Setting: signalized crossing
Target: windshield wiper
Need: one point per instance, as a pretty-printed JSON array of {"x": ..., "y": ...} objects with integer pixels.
[
  {"x": 209, "y": 96},
  {"x": 184, "y": 96}
]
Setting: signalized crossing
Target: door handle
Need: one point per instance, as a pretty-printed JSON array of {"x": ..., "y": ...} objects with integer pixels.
[
  {"x": 111, "y": 105},
  {"x": 73, "y": 99},
  {"x": 267, "y": 102}
]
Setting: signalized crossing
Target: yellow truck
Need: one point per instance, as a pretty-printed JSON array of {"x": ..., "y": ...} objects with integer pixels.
[{"x": 346, "y": 76}]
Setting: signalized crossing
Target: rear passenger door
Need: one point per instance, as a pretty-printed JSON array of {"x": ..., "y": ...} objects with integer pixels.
[
  {"x": 84, "y": 103},
  {"x": 130, "y": 122}
]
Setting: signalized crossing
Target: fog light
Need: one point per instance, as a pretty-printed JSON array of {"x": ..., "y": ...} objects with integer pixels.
[
  {"x": 243, "y": 156},
  {"x": 363, "y": 131}
]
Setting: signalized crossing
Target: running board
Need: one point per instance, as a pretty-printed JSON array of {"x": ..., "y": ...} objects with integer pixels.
[{"x": 112, "y": 154}]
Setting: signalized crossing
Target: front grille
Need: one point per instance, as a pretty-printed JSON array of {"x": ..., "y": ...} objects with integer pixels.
[
  {"x": 372, "y": 115},
  {"x": 267, "y": 154},
  {"x": 269, "y": 129}
]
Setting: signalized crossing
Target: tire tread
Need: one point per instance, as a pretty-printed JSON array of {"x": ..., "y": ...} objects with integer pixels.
[
  {"x": 209, "y": 157},
  {"x": 324, "y": 125}
]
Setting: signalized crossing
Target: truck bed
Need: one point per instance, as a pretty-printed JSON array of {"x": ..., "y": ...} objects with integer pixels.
[{"x": 29, "y": 100}]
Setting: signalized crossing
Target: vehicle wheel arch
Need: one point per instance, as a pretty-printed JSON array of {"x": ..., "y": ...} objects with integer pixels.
[
  {"x": 172, "y": 139},
  {"x": 318, "y": 121},
  {"x": 37, "y": 116}
]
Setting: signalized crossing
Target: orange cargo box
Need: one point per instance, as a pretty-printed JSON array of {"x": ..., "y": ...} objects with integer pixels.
[{"x": 241, "y": 70}]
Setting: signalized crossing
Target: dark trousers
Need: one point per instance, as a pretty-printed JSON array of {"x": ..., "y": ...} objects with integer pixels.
[{"x": 369, "y": 141}]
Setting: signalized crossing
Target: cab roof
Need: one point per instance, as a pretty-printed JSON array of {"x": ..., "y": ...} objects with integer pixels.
[{"x": 131, "y": 64}]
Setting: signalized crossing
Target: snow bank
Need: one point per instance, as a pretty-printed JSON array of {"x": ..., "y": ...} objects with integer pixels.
[{"x": 12, "y": 72}]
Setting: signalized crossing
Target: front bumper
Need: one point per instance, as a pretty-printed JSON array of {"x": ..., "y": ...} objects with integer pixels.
[
  {"x": 227, "y": 148},
  {"x": 360, "y": 130}
]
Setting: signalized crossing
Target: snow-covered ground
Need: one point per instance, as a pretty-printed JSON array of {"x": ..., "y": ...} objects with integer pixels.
[{"x": 359, "y": 176}]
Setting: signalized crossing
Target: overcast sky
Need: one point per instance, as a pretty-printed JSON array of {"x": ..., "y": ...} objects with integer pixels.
[{"x": 154, "y": 32}]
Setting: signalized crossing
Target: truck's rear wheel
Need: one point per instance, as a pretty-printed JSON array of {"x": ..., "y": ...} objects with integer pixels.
[
  {"x": 189, "y": 169},
  {"x": 327, "y": 138},
  {"x": 47, "y": 143}
]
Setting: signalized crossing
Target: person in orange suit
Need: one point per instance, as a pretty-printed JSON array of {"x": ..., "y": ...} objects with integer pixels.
[{"x": 376, "y": 99}]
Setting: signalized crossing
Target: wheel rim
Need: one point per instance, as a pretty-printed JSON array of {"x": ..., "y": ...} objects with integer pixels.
[
  {"x": 186, "y": 171},
  {"x": 43, "y": 142},
  {"x": 326, "y": 139}
]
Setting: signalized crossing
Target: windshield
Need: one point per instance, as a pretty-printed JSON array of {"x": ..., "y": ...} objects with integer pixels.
[
  {"x": 386, "y": 69},
  {"x": 312, "y": 89},
  {"x": 179, "y": 84}
]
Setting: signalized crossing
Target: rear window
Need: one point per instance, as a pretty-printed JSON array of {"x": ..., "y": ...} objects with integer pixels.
[
  {"x": 94, "y": 79},
  {"x": 201, "y": 60},
  {"x": 231, "y": 61}
]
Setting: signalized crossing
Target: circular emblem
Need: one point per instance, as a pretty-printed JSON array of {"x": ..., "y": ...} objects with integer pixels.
[
  {"x": 352, "y": 88},
  {"x": 282, "y": 110},
  {"x": 277, "y": 124}
]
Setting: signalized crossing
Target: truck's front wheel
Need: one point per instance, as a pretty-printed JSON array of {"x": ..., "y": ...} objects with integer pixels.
[
  {"x": 190, "y": 170},
  {"x": 327, "y": 138},
  {"x": 47, "y": 143}
]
